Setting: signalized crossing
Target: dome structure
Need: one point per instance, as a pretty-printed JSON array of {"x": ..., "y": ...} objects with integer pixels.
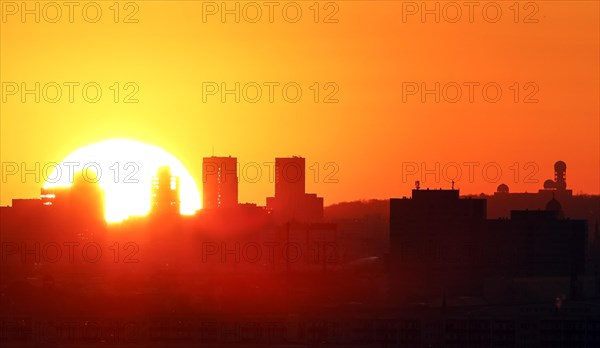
[
  {"x": 502, "y": 188},
  {"x": 560, "y": 166}
]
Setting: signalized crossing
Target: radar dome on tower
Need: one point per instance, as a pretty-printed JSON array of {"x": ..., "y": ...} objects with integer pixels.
[
  {"x": 560, "y": 175},
  {"x": 502, "y": 188}
]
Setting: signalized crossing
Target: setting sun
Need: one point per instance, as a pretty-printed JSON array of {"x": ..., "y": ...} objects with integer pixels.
[{"x": 124, "y": 170}]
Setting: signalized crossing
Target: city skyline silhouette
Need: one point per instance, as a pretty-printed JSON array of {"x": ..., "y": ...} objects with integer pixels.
[
  {"x": 435, "y": 249},
  {"x": 300, "y": 174}
]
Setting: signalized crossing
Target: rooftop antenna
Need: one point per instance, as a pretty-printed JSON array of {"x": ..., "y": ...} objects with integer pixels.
[{"x": 453, "y": 184}]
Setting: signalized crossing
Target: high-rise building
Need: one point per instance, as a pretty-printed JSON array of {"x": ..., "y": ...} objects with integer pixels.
[
  {"x": 442, "y": 244},
  {"x": 291, "y": 202},
  {"x": 290, "y": 177},
  {"x": 165, "y": 192},
  {"x": 433, "y": 241},
  {"x": 219, "y": 182}
]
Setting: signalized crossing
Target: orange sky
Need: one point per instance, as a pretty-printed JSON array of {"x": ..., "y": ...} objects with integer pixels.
[{"x": 371, "y": 133}]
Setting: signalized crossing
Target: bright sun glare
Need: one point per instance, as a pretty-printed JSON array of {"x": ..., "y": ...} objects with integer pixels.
[{"x": 125, "y": 169}]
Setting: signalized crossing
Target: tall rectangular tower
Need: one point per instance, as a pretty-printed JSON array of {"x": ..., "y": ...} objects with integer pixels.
[
  {"x": 219, "y": 182},
  {"x": 290, "y": 177},
  {"x": 165, "y": 192},
  {"x": 291, "y": 202}
]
